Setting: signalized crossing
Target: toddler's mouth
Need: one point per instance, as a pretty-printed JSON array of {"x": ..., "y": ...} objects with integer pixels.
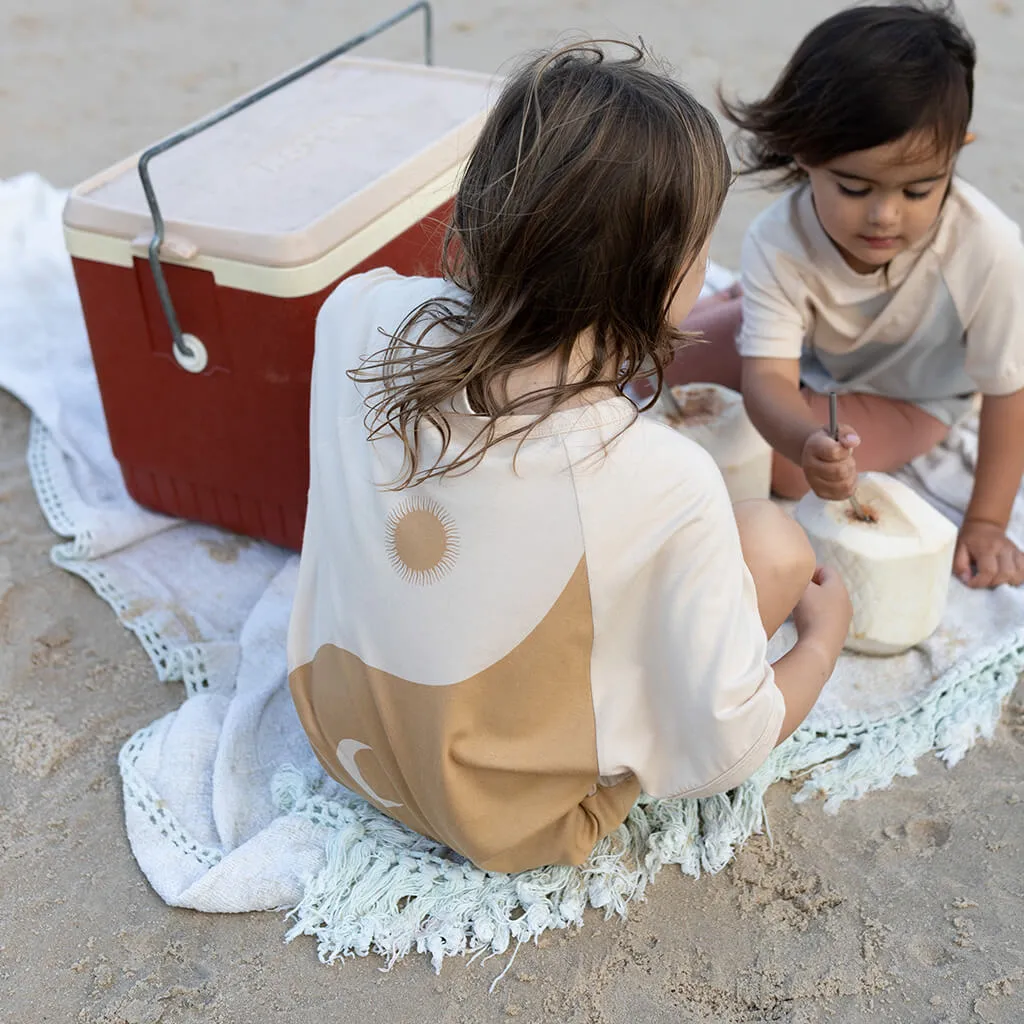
[{"x": 880, "y": 241}]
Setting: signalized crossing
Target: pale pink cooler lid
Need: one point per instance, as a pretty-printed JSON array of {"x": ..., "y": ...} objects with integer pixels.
[{"x": 296, "y": 174}]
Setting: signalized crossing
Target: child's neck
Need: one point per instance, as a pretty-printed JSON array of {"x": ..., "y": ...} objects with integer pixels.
[{"x": 540, "y": 377}]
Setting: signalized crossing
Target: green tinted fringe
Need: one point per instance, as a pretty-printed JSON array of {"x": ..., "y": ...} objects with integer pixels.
[{"x": 387, "y": 891}]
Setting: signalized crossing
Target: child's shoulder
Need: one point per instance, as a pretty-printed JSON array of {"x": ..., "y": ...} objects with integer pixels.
[
  {"x": 978, "y": 246},
  {"x": 658, "y": 463},
  {"x": 364, "y": 310},
  {"x": 787, "y": 228},
  {"x": 780, "y": 220},
  {"x": 973, "y": 220}
]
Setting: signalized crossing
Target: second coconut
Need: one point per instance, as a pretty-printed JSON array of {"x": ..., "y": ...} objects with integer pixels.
[{"x": 715, "y": 418}]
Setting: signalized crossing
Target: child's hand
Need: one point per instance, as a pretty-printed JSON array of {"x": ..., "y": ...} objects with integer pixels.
[
  {"x": 829, "y": 465},
  {"x": 823, "y": 614},
  {"x": 986, "y": 557}
]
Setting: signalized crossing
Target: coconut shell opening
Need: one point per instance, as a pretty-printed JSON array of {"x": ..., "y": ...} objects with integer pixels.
[
  {"x": 697, "y": 406},
  {"x": 869, "y": 518}
]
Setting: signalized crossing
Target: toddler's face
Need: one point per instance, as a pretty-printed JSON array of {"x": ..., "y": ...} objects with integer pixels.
[{"x": 878, "y": 202}]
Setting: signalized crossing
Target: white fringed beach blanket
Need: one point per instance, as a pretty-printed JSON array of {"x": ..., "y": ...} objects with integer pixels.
[{"x": 225, "y": 806}]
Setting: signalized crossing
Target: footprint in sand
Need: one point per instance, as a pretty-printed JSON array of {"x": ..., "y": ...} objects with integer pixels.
[{"x": 926, "y": 835}]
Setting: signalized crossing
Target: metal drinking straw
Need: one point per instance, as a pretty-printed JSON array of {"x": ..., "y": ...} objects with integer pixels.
[{"x": 833, "y": 429}]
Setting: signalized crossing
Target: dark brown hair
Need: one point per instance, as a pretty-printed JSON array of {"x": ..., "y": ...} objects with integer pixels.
[
  {"x": 593, "y": 186},
  {"x": 865, "y": 77}
]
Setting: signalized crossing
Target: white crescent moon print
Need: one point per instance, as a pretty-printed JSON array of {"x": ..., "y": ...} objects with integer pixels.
[{"x": 346, "y": 754}]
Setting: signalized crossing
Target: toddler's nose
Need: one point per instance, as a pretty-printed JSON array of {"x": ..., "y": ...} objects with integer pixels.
[{"x": 884, "y": 215}]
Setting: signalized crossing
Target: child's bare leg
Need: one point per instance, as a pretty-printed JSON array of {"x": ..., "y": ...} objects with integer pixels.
[
  {"x": 714, "y": 360},
  {"x": 779, "y": 557},
  {"x": 891, "y": 434}
]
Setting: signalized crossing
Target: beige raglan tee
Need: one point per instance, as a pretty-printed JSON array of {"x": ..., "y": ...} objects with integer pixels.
[
  {"x": 503, "y": 658},
  {"x": 944, "y": 320}
]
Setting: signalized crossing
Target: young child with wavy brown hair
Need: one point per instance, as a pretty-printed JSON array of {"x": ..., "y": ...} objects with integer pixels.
[{"x": 519, "y": 603}]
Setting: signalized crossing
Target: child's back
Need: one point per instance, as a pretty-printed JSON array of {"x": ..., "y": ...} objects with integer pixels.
[{"x": 495, "y": 638}]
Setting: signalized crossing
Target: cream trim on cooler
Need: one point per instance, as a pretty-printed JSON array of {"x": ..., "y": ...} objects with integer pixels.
[{"x": 281, "y": 282}]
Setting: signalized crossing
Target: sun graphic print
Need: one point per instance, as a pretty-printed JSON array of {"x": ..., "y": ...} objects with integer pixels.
[{"x": 422, "y": 540}]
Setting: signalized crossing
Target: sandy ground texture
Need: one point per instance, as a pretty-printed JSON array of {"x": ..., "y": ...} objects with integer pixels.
[{"x": 905, "y": 907}]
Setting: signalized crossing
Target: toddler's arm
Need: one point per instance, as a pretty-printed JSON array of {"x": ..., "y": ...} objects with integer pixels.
[
  {"x": 985, "y": 556},
  {"x": 771, "y": 393}
]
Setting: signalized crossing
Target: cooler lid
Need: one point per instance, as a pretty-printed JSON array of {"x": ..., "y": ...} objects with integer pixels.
[{"x": 293, "y": 176}]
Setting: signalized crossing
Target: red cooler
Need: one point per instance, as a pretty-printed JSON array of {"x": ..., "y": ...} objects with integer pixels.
[{"x": 203, "y": 342}]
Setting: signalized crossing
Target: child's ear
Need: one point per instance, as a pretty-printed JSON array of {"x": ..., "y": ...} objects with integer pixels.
[{"x": 969, "y": 138}]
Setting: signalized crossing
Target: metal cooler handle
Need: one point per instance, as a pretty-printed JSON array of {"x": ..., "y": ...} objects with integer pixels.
[{"x": 189, "y": 350}]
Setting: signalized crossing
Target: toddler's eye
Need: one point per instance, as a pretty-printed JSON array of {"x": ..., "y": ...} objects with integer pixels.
[
  {"x": 853, "y": 193},
  {"x": 917, "y": 195}
]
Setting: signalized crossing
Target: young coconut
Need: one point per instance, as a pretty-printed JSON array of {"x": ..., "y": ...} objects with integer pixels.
[
  {"x": 896, "y": 563},
  {"x": 715, "y": 418}
]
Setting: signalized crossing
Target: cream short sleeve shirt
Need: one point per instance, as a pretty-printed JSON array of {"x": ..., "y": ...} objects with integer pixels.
[{"x": 944, "y": 320}]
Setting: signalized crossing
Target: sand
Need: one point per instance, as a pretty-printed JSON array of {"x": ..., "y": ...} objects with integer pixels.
[{"x": 905, "y": 907}]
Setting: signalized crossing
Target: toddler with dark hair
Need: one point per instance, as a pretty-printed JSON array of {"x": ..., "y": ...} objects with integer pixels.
[{"x": 880, "y": 274}]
